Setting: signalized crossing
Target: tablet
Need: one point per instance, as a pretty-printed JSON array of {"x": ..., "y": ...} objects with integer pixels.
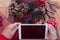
[{"x": 33, "y": 31}]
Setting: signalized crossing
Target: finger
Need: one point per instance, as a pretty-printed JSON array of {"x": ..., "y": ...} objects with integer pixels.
[
  {"x": 49, "y": 28},
  {"x": 15, "y": 29},
  {"x": 9, "y": 27},
  {"x": 53, "y": 29},
  {"x": 12, "y": 26}
]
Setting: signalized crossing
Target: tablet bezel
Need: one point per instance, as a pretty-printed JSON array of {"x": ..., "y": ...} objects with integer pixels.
[{"x": 46, "y": 29}]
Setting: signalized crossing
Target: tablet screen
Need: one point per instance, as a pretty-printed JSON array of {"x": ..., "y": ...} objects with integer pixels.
[{"x": 33, "y": 31}]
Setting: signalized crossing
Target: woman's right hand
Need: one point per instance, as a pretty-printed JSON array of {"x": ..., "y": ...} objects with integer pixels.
[{"x": 10, "y": 30}]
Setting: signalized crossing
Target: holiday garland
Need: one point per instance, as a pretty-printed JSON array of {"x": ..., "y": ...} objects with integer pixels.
[{"x": 37, "y": 9}]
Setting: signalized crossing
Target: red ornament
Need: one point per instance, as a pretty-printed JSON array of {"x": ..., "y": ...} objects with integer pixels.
[
  {"x": 41, "y": 2},
  {"x": 52, "y": 22}
]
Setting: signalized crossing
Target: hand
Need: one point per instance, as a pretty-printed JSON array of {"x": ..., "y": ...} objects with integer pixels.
[
  {"x": 10, "y": 30},
  {"x": 52, "y": 35}
]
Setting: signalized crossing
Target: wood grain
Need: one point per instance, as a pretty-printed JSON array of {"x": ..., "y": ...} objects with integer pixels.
[{"x": 4, "y": 4}]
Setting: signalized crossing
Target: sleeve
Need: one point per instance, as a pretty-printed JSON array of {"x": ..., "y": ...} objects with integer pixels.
[{"x": 2, "y": 37}]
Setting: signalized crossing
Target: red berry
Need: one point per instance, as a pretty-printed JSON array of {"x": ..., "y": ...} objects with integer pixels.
[
  {"x": 52, "y": 22},
  {"x": 41, "y": 2}
]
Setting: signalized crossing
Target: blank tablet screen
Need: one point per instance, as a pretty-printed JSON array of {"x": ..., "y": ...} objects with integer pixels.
[{"x": 33, "y": 31}]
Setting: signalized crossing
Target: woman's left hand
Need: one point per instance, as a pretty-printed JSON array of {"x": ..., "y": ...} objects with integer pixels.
[{"x": 52, "y": 35}]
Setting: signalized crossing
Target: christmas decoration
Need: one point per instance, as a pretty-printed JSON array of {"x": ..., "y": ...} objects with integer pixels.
[
  {"x": 52, "y": 22},
  {"x": 41, "y": 2},
  {"x": 33, "y": 10}
]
